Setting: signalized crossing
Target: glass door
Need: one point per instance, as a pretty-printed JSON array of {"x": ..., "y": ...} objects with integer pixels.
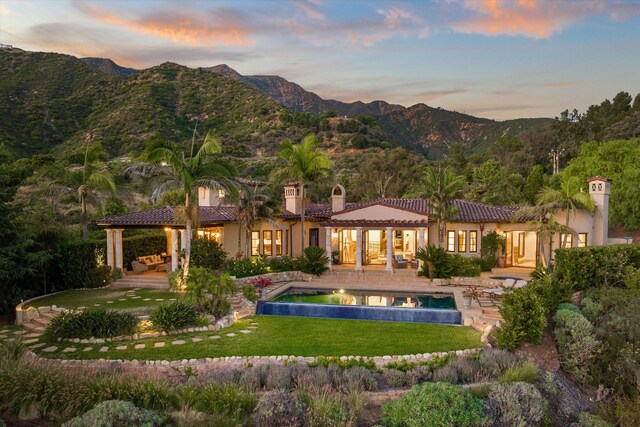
[{"x": 509, "y": 244}]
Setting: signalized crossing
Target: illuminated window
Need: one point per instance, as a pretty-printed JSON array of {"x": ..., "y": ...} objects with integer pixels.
[
  {"x": 210, "y": 234},
  {"x": 568, "y": 238},
  {"x": 582, "y": 240},
  {"x": 473, "y": 241},
  {"x": 267, "y": 242},
  {"x": 278, "y": 242},
  {"x": 286, "y": 241},
  {"x": 462, "y": 241},
  {"x": 255, "y": 243},
  {"x": 451, "y": 241},
  {"x": 221, "y": 194}
]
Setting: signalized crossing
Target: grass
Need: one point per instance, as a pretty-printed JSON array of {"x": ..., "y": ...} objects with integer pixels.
[
  {"x": 81, "y": 298},
  {"x": 299, "y": 336}
]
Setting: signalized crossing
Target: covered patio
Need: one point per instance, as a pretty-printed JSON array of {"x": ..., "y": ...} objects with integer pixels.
[{"x": 384, "y": 245}]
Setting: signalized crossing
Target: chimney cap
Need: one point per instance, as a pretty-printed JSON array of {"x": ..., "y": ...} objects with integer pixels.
[{"x": 598, "y": 178}]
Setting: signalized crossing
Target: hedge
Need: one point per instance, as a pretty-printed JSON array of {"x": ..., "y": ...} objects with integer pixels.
[
  {"x": 595, "y": 266},
  {"x": 80, "y": 267},
  {"x": 136, "y": 246},
  {"x": 207, "y": 254}
]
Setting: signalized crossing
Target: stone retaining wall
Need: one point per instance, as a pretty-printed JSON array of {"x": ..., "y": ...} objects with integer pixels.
[
  {"x": 284, "y": 276},
  {"x": 468, "y": 281},
  {"x": 178, "y": 367}
]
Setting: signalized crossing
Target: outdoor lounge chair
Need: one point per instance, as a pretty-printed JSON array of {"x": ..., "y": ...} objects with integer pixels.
[{"x": 399, "y": 262}]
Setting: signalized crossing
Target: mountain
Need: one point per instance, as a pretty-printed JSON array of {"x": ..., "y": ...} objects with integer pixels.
[
  {"x": 296, "y": 98},
  {"x": 107, "y": 66},
  {"x": 58, "y": 102}
]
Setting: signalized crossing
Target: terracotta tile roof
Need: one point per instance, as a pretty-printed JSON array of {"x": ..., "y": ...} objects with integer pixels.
[{"x": 165, "y": 217}]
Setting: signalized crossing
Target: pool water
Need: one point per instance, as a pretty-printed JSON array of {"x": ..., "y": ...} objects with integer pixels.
[{"x": 433, "y": 300}]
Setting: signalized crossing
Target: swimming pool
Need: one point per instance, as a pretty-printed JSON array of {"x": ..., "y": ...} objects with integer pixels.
[{"x": 367, "y": 305}]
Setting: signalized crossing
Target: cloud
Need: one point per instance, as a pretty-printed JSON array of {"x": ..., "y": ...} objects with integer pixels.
[
  {"x": 431, "y": 95},
  {"x": 561, "y": 84},
  {"x": 219, "y": 26},
  {"x": 530, "y": 18},
  {"x": 4, "y": 10},
  {"x": 309, "y": 11}
]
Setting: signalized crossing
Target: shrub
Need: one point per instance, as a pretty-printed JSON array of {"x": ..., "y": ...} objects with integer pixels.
[
  {"x": 82, "y": 265},
  {"x": 174, "y": 315},
  {"x": 249, "y": 292},
  {"x": 590, "y": 309},
  {"x": 491, "y": 243},
  {"x": 525, "y": 318},
  {"x": 247, "y": 267},
  {"x": 516, "y": 404},
  {"x": 577, "y": 345},
  {"x": 548, "y": 384},
  {"x": 228, "y": 400},
  {"x": 93, "y": 322},
  {"x": 418, "y": 375},
  {"x": 569, "y": 306},
  {"x": 493, "y": 362},
  {"x": 326, "y": 409},
  {"x": 526, "y": 372},
  {"x": 466, "y": 370},
  {"x": 278, "y": 377},
  {"x": 394, "y": 377},
  {"x": 137, "y": 246},
  {"x": 314, "y": 261},
  {"x": 445, "y": 265},
  {"x": 626, "y": 411},
  {"x": 586, "y": 419},
  {"x": 279, "y": 409},
  {"x": 116, "y": 413},
  {"x": 208, "y": 254},
  {"x": 358, "y": 379},
  {"x": 434, "y": 404},
  {"x": 176, "y": 280},
  {"x": 597, "y": 266},
  {"x": 209, "y": 292},
  {"x": 285, "y": 263},
  {"x": 446, "y": 374},
  {"x": 343, "y": 364}
]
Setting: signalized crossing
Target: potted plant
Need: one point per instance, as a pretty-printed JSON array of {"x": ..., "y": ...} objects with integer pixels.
[
  {"x": 493, "y": 244},
  {"x": 335, "y": 257},
  {"x": 468, "y": 295},
  {"x": 260, "y": 284}
]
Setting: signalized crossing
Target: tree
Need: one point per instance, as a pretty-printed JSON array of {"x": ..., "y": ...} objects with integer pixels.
[
  {"x": 305, "y": 163},
  {"x": 442, "y": 187},
  {"x": 494, "y": 184},
  {"x": 378, "y": 175},
  {"x": 252, "y": 205},
  {"x": 569, "y": 198},
  {"x": 187, "y": 172},
  {"x": 90, "y": 183},
  {"x": 534, "y": 183}
]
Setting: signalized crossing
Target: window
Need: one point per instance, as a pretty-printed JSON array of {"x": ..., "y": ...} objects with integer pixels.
[
  {"x": 314, "y": 237},
  {"x": 473, "y": 241},
  {"x": 255, "y": 243},
  {"x": 569, "y": 240},
  {"x": 582, "y": 240},
  {"x": 521, "y": 244},
  {"x": 267, "y": 242},
  {"x": 462, "y": 241},
  {"x": 451, "y": 241},
  {"x": 278, "y": 242},
  {"x": 286, "y": 241}
]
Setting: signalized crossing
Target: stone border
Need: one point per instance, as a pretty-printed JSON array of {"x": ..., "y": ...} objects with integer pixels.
[
  {"x": 282, "y": 276},
  {"x": 209, "y": 364}
]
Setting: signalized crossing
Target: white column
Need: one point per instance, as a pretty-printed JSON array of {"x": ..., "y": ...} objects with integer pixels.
[
  {"x": 420, "y": 243},
  {"x": 174, "y": 250},
  {"x": 118, "y": 246},
  {"x": 389, "y": 249},
  {"x": 327, "y": 245},
  {"x": 358, "y": 248},
  {"x": 110, "y": 260},
  {"x": 183, "y": 242}
]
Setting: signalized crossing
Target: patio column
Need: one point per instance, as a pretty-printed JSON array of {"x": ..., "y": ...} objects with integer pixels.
[
  {"x": 110, "y": 260},
  {"x": 389, "y": 266},
  {"x": 327, "y": 245},
  {"x": 174, "y": 250},
  {"x": 183, "y": 242},
  {"x": 118, "y": 247},
  {"x": 420, "y": 243},
  {"x": 358, "y": 248}
]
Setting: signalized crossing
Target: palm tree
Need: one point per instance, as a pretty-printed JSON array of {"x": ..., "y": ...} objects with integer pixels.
[
  {"x": 186, "y": 173},
  {"x": 252, "y": 205},
  {"x": 90, "y": 183},
  {"x": 569, "y": 198},
  {"x": 442, "y": 187},
  {"x": 306, "y": 163},
  {"x": 545, "y": 226}
]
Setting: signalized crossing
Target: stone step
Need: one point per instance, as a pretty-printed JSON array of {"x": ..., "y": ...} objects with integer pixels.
[
  {"x": 489, "y": 320},
  {"x": 32, "y": 326}
]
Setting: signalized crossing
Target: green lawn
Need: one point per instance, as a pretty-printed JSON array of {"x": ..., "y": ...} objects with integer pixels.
[
  {"x": 297, "y": 336},
  {"x": 77, "y": 298}
]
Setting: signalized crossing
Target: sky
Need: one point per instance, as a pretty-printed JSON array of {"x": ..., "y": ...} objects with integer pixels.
[{"x": 499, "y": 59}]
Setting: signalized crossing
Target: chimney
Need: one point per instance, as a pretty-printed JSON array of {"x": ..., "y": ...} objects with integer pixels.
[
  {"x": 338, "y": 198},
  {"x": 599, "y": 189},
  {"x": 211, "y": 197},
  {"x": 293, "y": 198}
]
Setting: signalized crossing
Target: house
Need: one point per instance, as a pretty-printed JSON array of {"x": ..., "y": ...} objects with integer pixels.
[{"x": 364, "y": 233}]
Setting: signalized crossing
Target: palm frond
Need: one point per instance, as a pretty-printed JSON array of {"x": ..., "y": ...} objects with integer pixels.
[{"x": 101, "y": 181}]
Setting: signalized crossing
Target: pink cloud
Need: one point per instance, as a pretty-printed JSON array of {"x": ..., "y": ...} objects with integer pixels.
[
  {"x": 177, "y": 26},
  {"x": 530, "y": 18},
  {"x": 309, "y": 11}
]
